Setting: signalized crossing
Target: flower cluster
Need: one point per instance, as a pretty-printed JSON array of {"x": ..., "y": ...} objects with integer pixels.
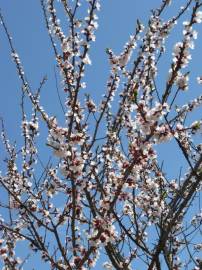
[
  {"x": 147, "y": 119},
  {"x": 198, "y": 17},
  {"x": 103, "y": 232},
  {"x": 182, "y": 56},
  {"x": 122, "y": 60}
]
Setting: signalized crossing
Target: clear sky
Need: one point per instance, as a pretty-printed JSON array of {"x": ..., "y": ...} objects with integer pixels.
[{"x": 117, "y": 20}]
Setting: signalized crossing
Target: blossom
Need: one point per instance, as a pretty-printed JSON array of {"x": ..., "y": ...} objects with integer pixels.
[
  {"x": 107, "y": 266},
  {"x": 86, "y": 60},
  {"x": 127, "y": 209},
  {"x": 182, "y": 81},
  {"x": 198, "y": 17},
  {"x": 91, "y": 105},
  {"x": 199, "y": 80},
  {"x": 66, "y": 46}
]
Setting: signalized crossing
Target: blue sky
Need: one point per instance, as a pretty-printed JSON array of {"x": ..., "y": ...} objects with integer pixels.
[{"x": 117, "y": 20}]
